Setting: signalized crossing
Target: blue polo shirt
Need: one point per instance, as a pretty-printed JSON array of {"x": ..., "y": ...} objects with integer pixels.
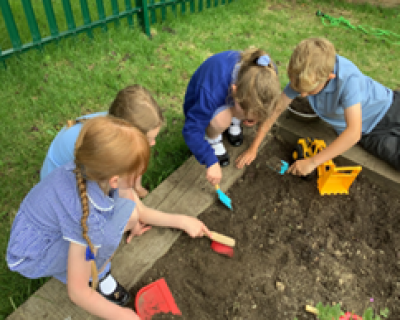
[
  {"x": 61, "y": 150},
  {"x": 349, "y": 87}
]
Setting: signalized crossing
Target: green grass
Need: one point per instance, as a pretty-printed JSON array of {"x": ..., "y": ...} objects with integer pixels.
[{"x": 40, "y": 91}]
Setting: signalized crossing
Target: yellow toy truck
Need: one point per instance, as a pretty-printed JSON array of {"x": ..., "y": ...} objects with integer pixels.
[{"x": 331, "y": 179}]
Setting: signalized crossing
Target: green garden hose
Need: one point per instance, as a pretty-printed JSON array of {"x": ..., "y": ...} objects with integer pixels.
[{"x": 387, "y": 36}]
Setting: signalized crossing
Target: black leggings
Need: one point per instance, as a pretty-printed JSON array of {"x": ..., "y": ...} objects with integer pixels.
[{"x": 384, "y": 140}]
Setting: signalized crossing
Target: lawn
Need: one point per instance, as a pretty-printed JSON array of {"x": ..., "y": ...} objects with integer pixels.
[{"x": 41, "y": 90}]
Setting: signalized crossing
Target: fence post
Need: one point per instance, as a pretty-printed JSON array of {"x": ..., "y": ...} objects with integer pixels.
[
  {"x": 115, "y": 11},
  {"x": 33, "y": 26},
  {"x": 10, "y": 24},
  {"x": 51, "y": 18},
  {"x": 102, "y": 14},
  {"x": 86, "y": 17},
  {"x": 128, "y": 7},
  {"x": 68, "y": 15},
  {"x": 143, "y": 16}
]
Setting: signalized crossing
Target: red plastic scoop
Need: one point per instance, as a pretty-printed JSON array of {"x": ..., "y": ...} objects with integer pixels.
[{"x": 155, "y": 298}]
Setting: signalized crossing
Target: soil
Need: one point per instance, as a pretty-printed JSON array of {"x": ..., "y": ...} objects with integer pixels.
[
  {"x": 294, "y": 247},
  {"x": 302, "y": 105}
]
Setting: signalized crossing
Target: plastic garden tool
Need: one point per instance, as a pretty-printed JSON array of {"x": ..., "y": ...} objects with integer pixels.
[
  {"x": 331, "y": 179},
  {"x": 223, "y": 197},
  {"x": 278, "y": 165},
  {"x": 155, "y": 298},
  {"x": 222, "y": 244}
]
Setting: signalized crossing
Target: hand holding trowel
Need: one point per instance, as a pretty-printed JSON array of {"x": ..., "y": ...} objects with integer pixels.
[{"x": 223, "y": 197}]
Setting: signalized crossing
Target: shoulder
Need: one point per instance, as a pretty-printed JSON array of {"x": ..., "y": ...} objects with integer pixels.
[
  {"x": 221, "y": 61},
  {"x": 93, "y": 115},
  {"x": 68, "y": 136},
  {"x": 345, "y": 68}
]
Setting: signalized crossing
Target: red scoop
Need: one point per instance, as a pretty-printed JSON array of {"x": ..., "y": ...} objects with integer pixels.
[{"x": 155, "y": 298}]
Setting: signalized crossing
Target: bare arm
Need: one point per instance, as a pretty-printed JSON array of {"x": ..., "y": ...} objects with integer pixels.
[
  {"x": 250, "y": 154},
  {"x": 348, "y": 138},
  {"x": 153, "y": 217},
  {"x": 82, "y": 295}
]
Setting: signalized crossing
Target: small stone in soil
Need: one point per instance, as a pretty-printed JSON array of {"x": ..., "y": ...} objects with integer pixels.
[{"x": 280, "y": 286}]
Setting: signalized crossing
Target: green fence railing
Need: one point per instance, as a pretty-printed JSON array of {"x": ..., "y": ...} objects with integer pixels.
[{"x": 141, "y": 13}]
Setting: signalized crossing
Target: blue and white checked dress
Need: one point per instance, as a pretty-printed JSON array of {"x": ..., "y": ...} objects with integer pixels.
[{"x": 49, "y": 219}]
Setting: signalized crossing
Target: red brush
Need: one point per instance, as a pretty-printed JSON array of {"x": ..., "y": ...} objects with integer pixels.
[{"x": 222, "y": 244}]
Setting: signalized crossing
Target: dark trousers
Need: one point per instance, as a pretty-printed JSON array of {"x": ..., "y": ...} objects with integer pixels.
[{"x": 384, "y": 140}]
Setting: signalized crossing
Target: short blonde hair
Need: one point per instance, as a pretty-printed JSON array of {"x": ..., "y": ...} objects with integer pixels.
[
  {"x": 257, "y": 86},
  {"x": 311, "y": 63},
  {"x": 136, "y": 105}
]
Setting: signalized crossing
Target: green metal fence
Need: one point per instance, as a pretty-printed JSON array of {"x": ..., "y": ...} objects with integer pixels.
[{"x": 138, "y": 13}]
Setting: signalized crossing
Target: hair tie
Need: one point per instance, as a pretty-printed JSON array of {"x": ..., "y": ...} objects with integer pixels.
[
  {"x": 263, "y": 61},
  {"x": 89, "y": 254}
]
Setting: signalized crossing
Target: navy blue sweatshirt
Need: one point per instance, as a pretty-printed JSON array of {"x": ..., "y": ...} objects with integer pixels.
[{"x": 207, "y": 90}]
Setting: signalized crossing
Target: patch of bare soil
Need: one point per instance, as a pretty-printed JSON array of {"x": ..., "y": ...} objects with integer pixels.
[{"x": 294, "y": 247}]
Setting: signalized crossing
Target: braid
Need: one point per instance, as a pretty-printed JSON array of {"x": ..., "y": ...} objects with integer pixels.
[{"x": 81, "y": 182}]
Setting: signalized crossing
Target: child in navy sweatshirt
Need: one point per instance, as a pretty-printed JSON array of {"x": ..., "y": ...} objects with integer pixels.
[{"x": 228, "y": 88}]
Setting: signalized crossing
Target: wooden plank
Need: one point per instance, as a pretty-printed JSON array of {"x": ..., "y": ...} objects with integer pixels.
[
  {"x": 51, "y": 301},
  {"x": 291, "y": 129},
  {"x": 185, "y": 191}
]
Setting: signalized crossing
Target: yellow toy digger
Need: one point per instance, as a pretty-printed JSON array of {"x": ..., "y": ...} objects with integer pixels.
[{"x": 331, "y": 179}]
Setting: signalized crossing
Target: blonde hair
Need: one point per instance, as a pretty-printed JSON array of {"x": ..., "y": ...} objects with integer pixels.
[
  {"x": 257, "y": 87},
  {"x": 107, "y": 147},
  {"x": 311, "y": 63},
  {"x": 136, "y": 105}
]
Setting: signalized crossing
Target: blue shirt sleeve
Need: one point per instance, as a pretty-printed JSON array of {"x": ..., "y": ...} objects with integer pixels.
[
  {"x": 351, "y": 93},
  {"x": 61, "y": 150},
  {"x": 290, "y": 93},
  {"x": 198, "y": 117}
]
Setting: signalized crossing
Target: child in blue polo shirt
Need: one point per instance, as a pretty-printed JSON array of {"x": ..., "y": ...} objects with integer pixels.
[
  {"x": 227, "y": 88},
  {"x": 356, "y": 106},
  {"x": 134, "y": 104}
]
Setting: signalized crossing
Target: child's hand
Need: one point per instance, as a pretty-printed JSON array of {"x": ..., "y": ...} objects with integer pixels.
[
  {"x": 302, "y": 167},
  {"x": 214, "y": 174},
  {"x": 137, "y": 230},
  {"x": 246, "y": 158},
  {"x": 194, "y": 227}
]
